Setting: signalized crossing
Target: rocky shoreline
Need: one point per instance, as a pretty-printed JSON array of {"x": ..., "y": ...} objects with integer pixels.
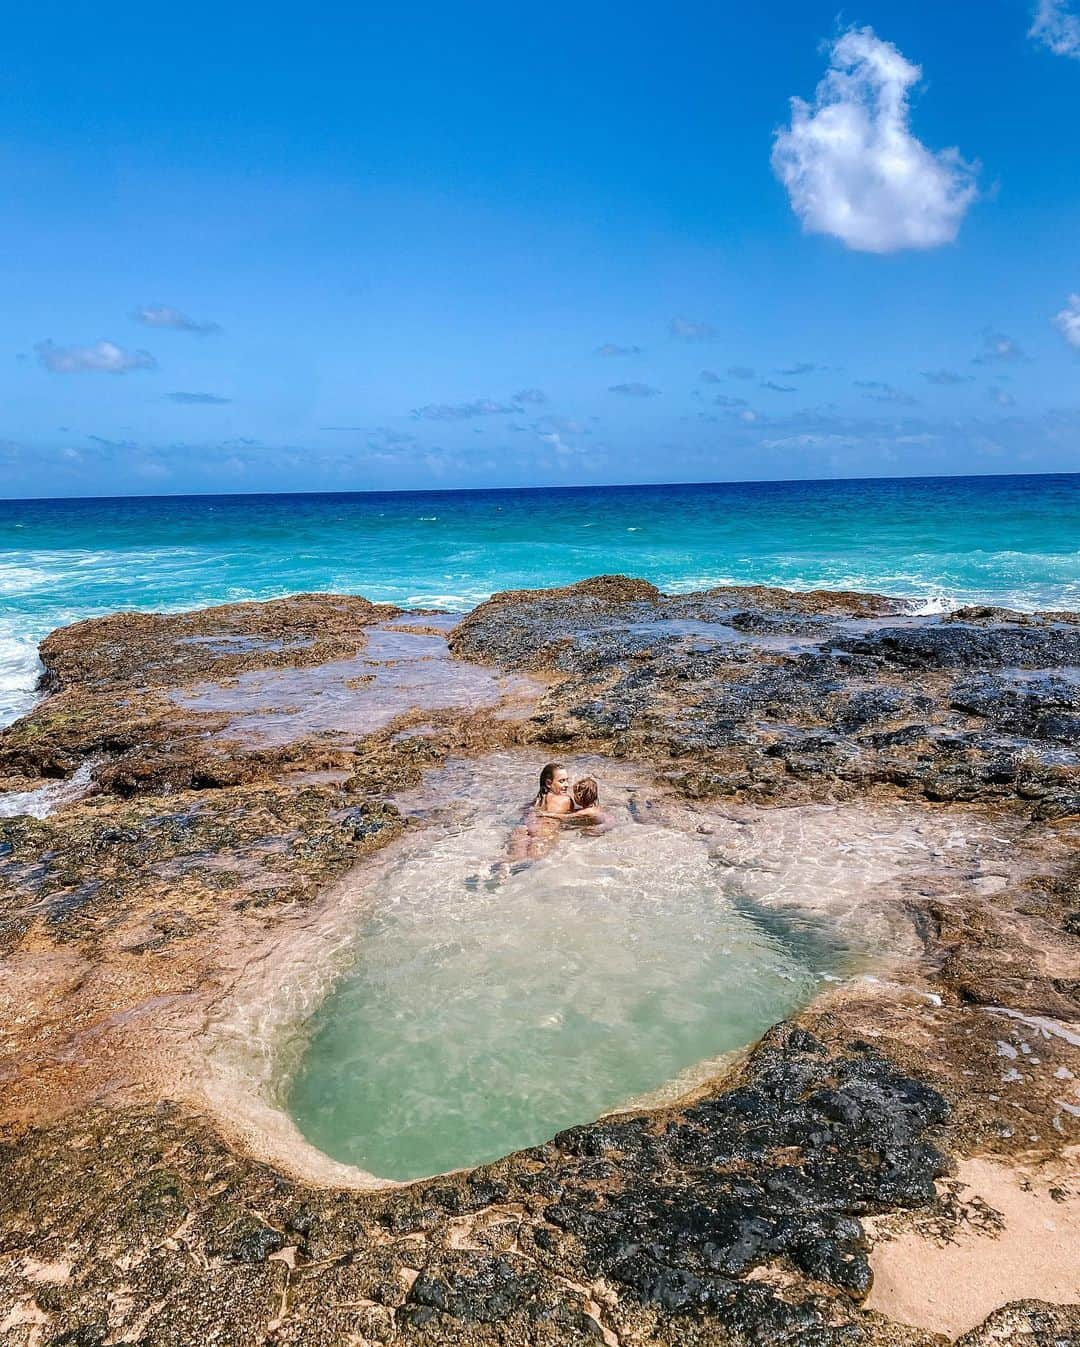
[{"x": 240, "y": 761}]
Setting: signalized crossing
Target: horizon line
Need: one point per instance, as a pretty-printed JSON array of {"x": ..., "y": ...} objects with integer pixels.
[{"x": 576, "y": 486}]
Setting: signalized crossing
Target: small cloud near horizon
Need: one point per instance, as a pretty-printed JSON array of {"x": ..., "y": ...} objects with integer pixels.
[
  {"x": 102, "y": 357},
  {"x": 460, "y": 411},
  {"x": 772, "y": 387},
  {"x": 997, "y": 347},
  {"x": 635, "y": 390},
  {"x": 112, "y": 446},
  {"x": 945, "y": 377},
  {"x": 164, "y": 316},
  {"x": 1067, "y": 321},
  {"x": 465, "y": 411},
  {"x": 741, "y": 372},
  {"x": 611, "y": 348},
  {"x": 380, "y": 438},
  {"x": 877, "y": 391},
  {"x": 688, "y": 329},
  {"x": 198, "y": 399}
]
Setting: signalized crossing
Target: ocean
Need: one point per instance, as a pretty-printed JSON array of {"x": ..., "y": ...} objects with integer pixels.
[{"x": 942, "y": 542}]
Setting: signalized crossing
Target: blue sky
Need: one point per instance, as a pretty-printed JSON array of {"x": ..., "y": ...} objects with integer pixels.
[{"x": 254, "y": 248}]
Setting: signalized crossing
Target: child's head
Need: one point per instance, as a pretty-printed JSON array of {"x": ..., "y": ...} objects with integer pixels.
[{"x": 586, "y": 792}]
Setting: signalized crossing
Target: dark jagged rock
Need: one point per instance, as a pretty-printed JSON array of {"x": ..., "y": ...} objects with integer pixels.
[
  {"x": 952, "y": 645},
  {"x": 777, "y": 1168},
  {"x": 830, "y": 693},
  {"x": 1043, "y": 708}
]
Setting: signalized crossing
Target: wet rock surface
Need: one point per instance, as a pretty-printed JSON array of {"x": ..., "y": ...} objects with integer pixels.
[
  {"x": 776, "y": 1168},
  {"x": 800, "y": 696},
  {"x": 109, "y": 680},
  {"x": 129, "y": 1213},
  {"x": 644, "y": 1226}
]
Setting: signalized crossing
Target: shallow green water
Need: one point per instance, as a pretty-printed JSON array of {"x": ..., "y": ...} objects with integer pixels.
[{"x": 482, "y": 1018}]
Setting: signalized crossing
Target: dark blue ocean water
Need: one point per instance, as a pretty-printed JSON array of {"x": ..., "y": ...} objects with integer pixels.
[{"x": 940, "y": 541}]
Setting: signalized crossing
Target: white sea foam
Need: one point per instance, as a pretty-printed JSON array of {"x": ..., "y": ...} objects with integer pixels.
[
  {"x": 455, "y": 603},
  {"x": 931, "y": 607},
  {"x": 45, "y": 800},
  {"x": 16, "y": 579},
  {"x": 20, "y": 669}
]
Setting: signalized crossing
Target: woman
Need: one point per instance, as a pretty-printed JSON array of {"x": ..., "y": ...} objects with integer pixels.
[
  {"x": 537, "y": 833},
  {"x": 539, "y": 830},
  {"x": 554, "y": 797}
]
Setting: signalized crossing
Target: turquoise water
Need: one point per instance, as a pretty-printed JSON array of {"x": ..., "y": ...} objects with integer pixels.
[
  {"x": 455, "y": 1015},
  {"x": 940, "y": 541},
  {"x": 479, "y": 1017}
]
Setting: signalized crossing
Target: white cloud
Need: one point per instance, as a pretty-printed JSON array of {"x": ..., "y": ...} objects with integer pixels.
[
  {"x": 997, "y": 347},
  {"x": 689, "y": 329},
  {"x": 1056, "y": 27},
  {"x": 103, "y": 357},
  {"x": 1068, "y": 321},
  {"x": 852, "y": 167},
  {"x": 611, "y": 348},
  {"x": 556, "y": 442},
  {"x": 461, "y": 411},
  {"x": 161, "y": 315},
  {"x": 198, "y": 399}
]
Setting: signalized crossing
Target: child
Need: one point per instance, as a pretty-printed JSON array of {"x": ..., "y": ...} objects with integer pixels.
[{"x": 586, "y": 798}]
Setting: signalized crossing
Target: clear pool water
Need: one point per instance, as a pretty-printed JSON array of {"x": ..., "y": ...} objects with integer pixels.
[
  {"x": 483, "y": 1013},
  {"x": 428, "y": 1014}
]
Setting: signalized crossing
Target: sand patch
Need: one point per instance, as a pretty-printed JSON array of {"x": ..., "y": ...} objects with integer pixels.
[{"x": 1020, "y": 1240}]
